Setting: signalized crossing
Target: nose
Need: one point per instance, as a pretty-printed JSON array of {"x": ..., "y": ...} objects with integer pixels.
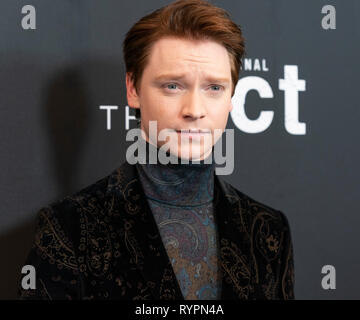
[{"x": 193, "y": 106}]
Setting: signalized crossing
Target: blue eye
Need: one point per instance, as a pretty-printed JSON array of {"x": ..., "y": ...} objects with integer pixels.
[
  {"x": 171, "y": 84},
  {"x": 216, "y": 86}
]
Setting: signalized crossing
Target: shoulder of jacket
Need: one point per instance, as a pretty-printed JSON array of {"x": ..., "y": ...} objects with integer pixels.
[
  {"x": 255, "y": 209},
  {"x": 67, "y": 214}
]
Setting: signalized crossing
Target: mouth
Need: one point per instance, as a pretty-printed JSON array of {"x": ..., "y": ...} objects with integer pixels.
[
  {"x": 199, "y": 131},
  {"x": 193, "y": 133}
]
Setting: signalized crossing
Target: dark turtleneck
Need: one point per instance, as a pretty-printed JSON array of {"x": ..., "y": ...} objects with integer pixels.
[{"x": 181, "y": 199}]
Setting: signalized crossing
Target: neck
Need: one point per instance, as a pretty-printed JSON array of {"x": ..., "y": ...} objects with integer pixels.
[{"x": 177, "y": 184}]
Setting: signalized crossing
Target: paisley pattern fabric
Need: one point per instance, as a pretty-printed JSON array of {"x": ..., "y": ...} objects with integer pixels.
[
  {"x": 181, "y": 199},
  {"x": 103, "y": 243}
]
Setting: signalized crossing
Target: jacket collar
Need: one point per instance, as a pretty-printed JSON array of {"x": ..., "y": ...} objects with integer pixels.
[{"x": 129, "y": 211}]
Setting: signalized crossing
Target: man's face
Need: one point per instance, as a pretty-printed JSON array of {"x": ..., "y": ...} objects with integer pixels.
[{"x": 186, "y": 85}]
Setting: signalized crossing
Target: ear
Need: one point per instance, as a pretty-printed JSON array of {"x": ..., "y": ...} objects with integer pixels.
[
  {"x": 231, "y": 106},
  {"x": 131, "y": 94}
]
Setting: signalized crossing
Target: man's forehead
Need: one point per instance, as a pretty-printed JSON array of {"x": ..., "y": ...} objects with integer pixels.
[{"x": 169, "y": 58}]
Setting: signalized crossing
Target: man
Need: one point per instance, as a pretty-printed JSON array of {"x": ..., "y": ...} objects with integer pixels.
[{"x": 168, "y": 231}]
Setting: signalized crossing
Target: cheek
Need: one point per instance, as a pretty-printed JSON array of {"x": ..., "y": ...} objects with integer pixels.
[
  {"x": 159, "y": 108},
  {"x": 219, "y": 115},
  {"x": 158, "y": 105}
]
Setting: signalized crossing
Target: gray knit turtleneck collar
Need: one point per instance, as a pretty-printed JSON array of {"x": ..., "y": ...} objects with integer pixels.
[{"x": 179, "y": 184}]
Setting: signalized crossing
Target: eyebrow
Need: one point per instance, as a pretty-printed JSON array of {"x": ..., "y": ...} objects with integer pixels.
[{"x": 182, "y": 76}]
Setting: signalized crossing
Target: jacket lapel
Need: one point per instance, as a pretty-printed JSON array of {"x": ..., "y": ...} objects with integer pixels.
[
  {"x": 235, "y": 244},
  {"x": 130, "y": 212}
]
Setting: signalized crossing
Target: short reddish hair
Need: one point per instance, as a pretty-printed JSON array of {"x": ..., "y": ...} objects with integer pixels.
[{"x": 186, "y": 19}]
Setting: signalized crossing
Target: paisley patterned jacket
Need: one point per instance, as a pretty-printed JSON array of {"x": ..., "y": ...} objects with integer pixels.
[{"x": 103, "y": 243}]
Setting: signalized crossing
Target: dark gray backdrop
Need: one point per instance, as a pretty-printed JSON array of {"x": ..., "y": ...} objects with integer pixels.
[{"x": 54, "y": 139}]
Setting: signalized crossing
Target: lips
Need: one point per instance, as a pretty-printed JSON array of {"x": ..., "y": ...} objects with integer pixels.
[
  {"x": 193, "y": 131},
  {"x": 192, "y": 134}
]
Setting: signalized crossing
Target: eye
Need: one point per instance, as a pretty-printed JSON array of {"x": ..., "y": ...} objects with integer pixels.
[
  {"x": 217, "y": 87},
  {"x": 171, "y": 86}
]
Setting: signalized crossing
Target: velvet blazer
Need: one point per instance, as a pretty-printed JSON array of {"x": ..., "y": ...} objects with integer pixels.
[{"x": 103, "y": 243}]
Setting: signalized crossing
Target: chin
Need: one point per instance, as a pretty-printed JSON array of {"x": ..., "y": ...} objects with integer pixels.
[{"x": 192, "y": 153}]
